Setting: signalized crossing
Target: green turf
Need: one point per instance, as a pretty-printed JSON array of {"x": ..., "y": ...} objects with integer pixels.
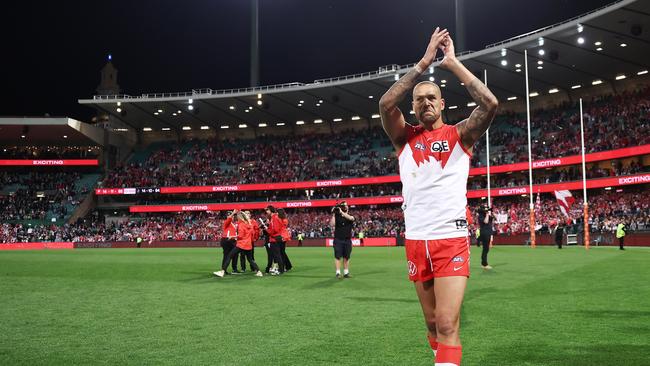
[{"x": 161, "y": 306}]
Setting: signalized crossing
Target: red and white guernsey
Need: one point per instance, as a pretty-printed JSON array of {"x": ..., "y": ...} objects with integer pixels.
[{"x": 433, "y": 168}]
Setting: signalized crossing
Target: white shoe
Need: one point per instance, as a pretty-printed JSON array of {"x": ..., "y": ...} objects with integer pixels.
[
  {"x": 274, "y": 272},
  {"x": 488, "y": 267},
  {"x": 259, "y": 274},
  {"x": 219, "y": 273}
]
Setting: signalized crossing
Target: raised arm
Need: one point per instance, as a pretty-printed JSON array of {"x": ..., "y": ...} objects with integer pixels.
[
  {"x": 392, "y": 118},
  {"x": 472, "y": 128}
]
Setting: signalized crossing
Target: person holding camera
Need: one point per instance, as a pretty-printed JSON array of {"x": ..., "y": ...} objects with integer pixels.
[
  {"x": 486, "y": 221},
  {"x": 341, "y": 223}
]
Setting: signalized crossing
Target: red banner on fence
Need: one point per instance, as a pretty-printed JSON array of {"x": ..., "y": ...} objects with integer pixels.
[{"x": 50, "y": 162}]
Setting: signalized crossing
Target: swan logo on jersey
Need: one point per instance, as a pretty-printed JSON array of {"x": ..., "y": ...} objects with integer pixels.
[
  {"x": 440, "y": 146},
  {"x": 413, "y": 269}
]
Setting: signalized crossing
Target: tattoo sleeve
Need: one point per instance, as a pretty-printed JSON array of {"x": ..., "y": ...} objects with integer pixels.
[
  {"x": 480, "y": 119},
  {"x": 392, "y": 118}
]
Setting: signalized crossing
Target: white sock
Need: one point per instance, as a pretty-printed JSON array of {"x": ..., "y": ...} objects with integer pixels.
[
  {"x": 345, "y": 271},
  {"x": 338, "y": 271}
]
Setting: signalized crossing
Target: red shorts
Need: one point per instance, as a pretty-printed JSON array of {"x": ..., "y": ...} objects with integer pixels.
[{"x": 428, "y": 259}]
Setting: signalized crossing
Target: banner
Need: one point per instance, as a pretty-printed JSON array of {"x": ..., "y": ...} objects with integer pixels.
[
  {"x": 538, "y": 164},
  {"x": 50, "y": 162},
  {"x": 383, "y": 200}
]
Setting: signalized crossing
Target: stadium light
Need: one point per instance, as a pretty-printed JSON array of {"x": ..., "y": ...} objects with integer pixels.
[
  {"x": 411, "y": 112},
  {"x": 598, "y": 43},
  {"x": 317, "y": 121},
  {"x": 596, "y": 82},
  {"x": 190, "y": 107},
  {"x": 375, "y": 116},
  {"x": 64, "y": 136},
  {"x": 599, "y": 49},
  {"x": 119, "y": 104},
  {"x": 540, "y": 41},
  {"x": 540, "y": 67},
  {"x": 518, "y": 70},
  {"x": 259, "y": 96},
  {"x": 186, "y": 128},
  {"x": 620, "y": 77},
  {"x": 471, "y": 104},
  {"x": 243, "y": 125},
  {"x": 453, "y": 107},
  {"x": 517, "y": 65},
  {"x": 623, "y": 44},
  {"x": 22, "y": 136},
  {"x": 396, "y": 77},
  {"x": 541, "y": 52},
  {"x": 553, "y": 91},
  {"x": 160, "y": 111},
  {"x": 642, "y": 72},
  {"x": 320, "y": 101},
  {"x": 431, "y": 78},
  {"x": 300, "y": 122},
  {"x": 166, "y": 129},
  {"x": 155, "y": 113},
  {"x": 280, "y": 124},
  {"x": 512, "y": 98},
  {"x": 225, "y": 127},
  {"x": 205, "y": 127},
  {"x": 608, "y": 188},
  {"x": 533, "y": 94},
  {"x": 338, "y": 119},
  {"x": 262, "y": 125},
  {"x": 179, "y": 111},
  {"x": 576, "y": 86},
  {"x": 370, "y": 96},
  {"x": 580, "y": 28},
  {"x": 504, "y": 62},
  {"x": 355, "y": 118},
  {"x": 248, "y": 110},
  {"x": 119, "y": 110},
  {"x": 540, "y": 62},
  {"x": 301, "y": 102},
  {"x": 147, "y": 129},
  {"x": 443, "y": 81},
  {"x": 581, "y": 40},
  {"x": 431, "y": 70},
  {"x": 232, "y": 107},
  {"x": 503, "y": 52},
  {"x": 190, "y": 101}
]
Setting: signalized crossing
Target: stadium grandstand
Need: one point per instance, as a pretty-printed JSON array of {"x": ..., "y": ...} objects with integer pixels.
[{"x": 302, "y": 145}]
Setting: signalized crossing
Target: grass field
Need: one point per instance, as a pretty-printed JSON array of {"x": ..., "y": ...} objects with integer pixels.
[{"x": 161, "y": 306}]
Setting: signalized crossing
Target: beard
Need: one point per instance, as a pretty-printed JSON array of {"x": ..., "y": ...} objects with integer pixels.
[{"x": 429, "y": 117}]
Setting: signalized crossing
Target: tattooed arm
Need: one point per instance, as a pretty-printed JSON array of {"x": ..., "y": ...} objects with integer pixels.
[
  {"x": 392, "y": 118},
  {"x": 472, "y": 128}
]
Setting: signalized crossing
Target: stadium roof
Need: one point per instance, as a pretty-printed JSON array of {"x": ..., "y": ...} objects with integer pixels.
[
  {"x": 47, "y": 130},
  {"x": 602, "y": 46}
]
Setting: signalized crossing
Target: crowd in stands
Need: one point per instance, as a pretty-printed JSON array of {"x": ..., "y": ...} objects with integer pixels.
[
  {"x": 50, "y": 152},
  {"x": 611, "y": 122},
  {"x": 607, "y": 209},
  {"x": 313, "y": 223},
  {"x": 31, "y": 196}
]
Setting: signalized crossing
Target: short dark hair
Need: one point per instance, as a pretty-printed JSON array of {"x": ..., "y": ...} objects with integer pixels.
[{"x": 271, "y": 208}]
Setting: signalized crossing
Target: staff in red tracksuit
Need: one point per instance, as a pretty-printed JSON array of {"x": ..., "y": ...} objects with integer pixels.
[
  {"x": 228, "y": 239},
  {"x": 256, "y": 236},
  {"x": 275, "y": 238},
  {"x": 286, "y": 236},
  {"x": 244, "y": 244}
]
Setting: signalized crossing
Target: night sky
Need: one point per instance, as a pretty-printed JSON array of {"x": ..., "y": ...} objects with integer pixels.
[{"x": 53, "y": 51}]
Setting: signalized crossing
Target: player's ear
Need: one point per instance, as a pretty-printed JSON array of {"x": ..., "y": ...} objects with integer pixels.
[{"x": 442, "y": 104}]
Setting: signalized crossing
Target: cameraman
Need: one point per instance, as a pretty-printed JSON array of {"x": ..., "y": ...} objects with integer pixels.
[
  {"x": 486, "y": 220},
  {"x": 341, "y": 222}
]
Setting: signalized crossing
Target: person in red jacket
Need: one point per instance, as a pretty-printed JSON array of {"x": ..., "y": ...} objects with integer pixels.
[
  {"x": 244, "y": 244},
  {"x": 228, "y": 239},
  {"x": 275, "y": 238},
  {"x": 256, "y": 236},
  {"x": 286, "y": 236}
]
